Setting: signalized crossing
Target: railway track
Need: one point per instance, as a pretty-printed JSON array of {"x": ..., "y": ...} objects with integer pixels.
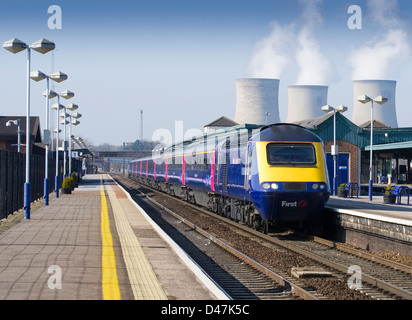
[
  {"x": 373, "y": 277},
  {"x": 379, "y": 278},
  {"x": 238, "y": 275}
]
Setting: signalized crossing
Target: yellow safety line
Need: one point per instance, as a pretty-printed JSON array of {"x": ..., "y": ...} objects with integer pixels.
[
  {"x": 143, "y": 280},
  {"x": 110, "y": 283}
]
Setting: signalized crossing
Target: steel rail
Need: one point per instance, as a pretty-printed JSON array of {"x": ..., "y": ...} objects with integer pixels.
[
  {"x": 405, "y": 294},
  {"x": 365, "y": 255},
  {"x": 400, "y": 292},
  {"x": 293, "y": 288}
]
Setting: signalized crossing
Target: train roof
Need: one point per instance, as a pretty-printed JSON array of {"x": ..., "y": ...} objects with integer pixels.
[
  {"x": 245, "y": 132},
  {"x": 285, "y": 132}
]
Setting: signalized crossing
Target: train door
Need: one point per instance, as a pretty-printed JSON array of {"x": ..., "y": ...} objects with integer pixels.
[
  {"x": 225, "y": 165},
  {"x": 248, "y": 166}
]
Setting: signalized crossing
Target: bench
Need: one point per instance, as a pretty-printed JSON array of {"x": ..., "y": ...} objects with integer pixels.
[{"x": 399, "y": 191}]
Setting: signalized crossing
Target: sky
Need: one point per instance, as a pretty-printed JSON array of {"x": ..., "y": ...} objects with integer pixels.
[{"x": 178, "y": 60}]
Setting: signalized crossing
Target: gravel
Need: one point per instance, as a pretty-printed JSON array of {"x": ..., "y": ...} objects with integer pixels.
[{"x": 334, "y": 288}]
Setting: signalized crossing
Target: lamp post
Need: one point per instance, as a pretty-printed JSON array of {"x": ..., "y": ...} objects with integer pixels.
[
  {"x": 49, "y": 94},
  {"x": 334, "y": 148},
  {"x": 53, "y": 133},
  {"x": 74, "y": 122},
  {"x": 67, "y": 95},
  {"x": 72, "y": 107},
  {"x": 18, "y": 124},
  {"x": 57, "y": 107},
  {"x": 380, "y": 100},
  {"x": 14, "y": 46}
]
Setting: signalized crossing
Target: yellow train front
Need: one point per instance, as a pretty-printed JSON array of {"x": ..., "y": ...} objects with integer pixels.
[{"x": 287, "y": 175}]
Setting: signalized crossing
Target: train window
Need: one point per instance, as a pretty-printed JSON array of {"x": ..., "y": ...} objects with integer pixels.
[{"x": 294, "y": 154}]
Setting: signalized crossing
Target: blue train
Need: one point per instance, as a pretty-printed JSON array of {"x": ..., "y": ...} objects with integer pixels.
[{"x": 253, "y": 174}]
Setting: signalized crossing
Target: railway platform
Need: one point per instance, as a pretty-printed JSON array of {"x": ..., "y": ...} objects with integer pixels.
[
  {"x": 362, "y": 206},
  {"x": 95, "y": 244},
  {"x": 372, "y": 224}
]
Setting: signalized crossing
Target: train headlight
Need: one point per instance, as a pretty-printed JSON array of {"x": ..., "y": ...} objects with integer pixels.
[
  {"x": 266, "y": 186},
  {"x": 323, "y": 186},
  {"x": 315, "y": 186},
  {"x": 274, "y": 186}
]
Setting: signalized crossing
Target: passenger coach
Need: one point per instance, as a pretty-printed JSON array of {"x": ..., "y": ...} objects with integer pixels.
[{"x": 252, "y": 174}]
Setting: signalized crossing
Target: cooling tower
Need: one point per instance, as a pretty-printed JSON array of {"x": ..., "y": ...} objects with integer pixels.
[
  {"x": 385, "y": 113},
  {"x": 257, "y": 101},
  {"x": 306, "y": 102}
]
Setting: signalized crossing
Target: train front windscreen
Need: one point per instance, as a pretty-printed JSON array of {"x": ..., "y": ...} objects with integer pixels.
[{"x": 291, "y": 154}]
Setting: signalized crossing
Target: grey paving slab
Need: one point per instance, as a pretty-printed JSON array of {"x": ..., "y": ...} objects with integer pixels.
[{"x": 66, "y": 237}]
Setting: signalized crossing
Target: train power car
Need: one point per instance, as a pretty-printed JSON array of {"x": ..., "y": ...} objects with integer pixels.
[{"x": 253, "y": 174}]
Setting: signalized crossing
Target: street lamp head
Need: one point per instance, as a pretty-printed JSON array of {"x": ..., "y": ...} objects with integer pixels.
[
  {"x": 327, "y": 108},
  {"x": 43, "y": 46},
  {"x": 75, "y": 122},
  {"x": 67, "y": 94},
  {"x": 64, "y": 114},
  {"x": 364, "y": 99},
  {"x": 380, "y": 100},
  {"x": 15, "y": 122},
  {"x": 60, "y": 106},
  {"x": 14, "y": 45},
  {"x": 341, "y": 109},
  {"x": 72, "y": 107},
  {"x": 58, "y": 76},
  {"x": 37, "y": 75},
  {"x": 51, "y": 94},
  {"x": 76, "y": 115}
]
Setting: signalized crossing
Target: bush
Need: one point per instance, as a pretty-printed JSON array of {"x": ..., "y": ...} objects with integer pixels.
[
  {"x": 75, "y": 178},
  {"x": 67, "y": 183}
]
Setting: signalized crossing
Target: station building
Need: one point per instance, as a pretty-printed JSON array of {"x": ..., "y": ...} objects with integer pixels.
[{"x": 392, "y": 150}]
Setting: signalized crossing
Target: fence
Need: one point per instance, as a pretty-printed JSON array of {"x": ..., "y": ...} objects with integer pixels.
[{"x": 13, "y": 176}]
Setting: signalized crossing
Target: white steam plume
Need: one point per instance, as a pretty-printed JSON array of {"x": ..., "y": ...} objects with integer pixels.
[
  {"x": 382, "y": 58},
  {"x": 274, "y": 53},
  {"x": 271, "y": 55},
  {"x": 314, "y": 67}
]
